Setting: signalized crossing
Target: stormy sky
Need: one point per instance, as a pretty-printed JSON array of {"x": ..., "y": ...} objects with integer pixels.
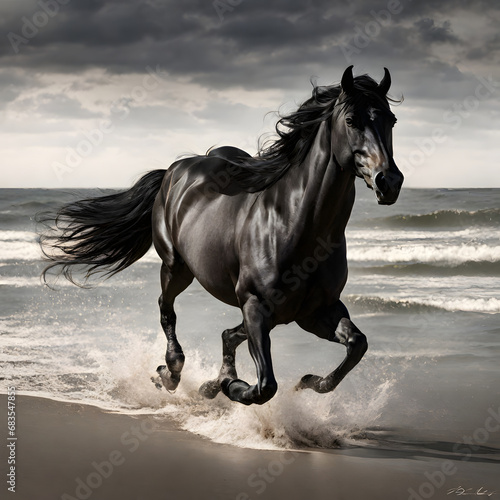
[{"x": 96, "y": 92}]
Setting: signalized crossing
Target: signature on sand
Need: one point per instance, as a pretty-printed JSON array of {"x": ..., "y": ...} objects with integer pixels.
[{"x": 460, "y": 490}]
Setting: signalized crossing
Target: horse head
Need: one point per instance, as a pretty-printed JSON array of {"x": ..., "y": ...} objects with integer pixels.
[{"x": 362, "y": 134}]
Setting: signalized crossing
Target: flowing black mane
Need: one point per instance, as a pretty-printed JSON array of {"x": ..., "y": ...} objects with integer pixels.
[{"x": 296, "y": 132}]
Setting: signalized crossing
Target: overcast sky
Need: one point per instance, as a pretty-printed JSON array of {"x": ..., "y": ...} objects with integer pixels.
[{"x": 96, "y": 92}]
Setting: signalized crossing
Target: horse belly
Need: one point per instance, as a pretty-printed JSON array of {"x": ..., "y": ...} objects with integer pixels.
[
  {"x": 205, "y": 241},
  {"x": 213, "y": 275}
]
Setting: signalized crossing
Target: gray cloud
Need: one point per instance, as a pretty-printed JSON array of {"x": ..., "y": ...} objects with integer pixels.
[
  {"x": 61, "y": 106},
  {"x": 430, "y": 32},
  {"x": 435, "y": 49},
  {"x": 256, "y": 44}
]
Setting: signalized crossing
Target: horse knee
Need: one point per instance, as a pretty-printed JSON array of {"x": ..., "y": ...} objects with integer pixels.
[
  {"x": 347, "y": 333},
  {"x": 357, "y": 344}
]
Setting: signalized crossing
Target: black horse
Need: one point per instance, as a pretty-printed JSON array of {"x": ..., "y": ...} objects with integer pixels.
[{"x": 263, "y": 233}]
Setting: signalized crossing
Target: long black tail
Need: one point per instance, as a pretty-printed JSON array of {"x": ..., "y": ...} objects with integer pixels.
[{"x": 100, "y": 235}]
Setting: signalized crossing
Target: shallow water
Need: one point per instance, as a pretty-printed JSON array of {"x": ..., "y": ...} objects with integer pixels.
[{"x": 423, "y": 286}]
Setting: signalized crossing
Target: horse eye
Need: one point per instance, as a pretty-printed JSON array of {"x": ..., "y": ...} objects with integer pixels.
[{"x": 349, "y": 121}]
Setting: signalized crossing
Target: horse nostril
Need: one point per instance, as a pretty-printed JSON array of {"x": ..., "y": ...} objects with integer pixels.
[{"x": 380, "y": 182}]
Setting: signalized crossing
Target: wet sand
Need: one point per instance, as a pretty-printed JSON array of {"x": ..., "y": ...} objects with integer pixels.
[{"x": 73, "y": 451}]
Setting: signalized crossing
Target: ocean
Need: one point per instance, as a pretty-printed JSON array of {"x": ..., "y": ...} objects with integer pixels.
[{"x": 424, "y": 278}]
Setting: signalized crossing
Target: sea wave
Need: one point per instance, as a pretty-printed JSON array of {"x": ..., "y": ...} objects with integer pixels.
[
  {"x": 19, "y": 282},
  {"x": 446, "y": 255},
  {"x": 444, "y": 218},
  {"x": 19, "y": 246},
  {"x": 23, "y": 246},
  {"x": 468, "y": 234},
  {"x": 467, "y": 268},
  {"x": 490, "y": 305},
  {"x": 17, "y": 236},
  {"x": 20, "y": 251},
  {"x": 32, "y": 206}
]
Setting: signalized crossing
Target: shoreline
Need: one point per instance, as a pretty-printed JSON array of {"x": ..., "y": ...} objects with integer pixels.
[{"x": 74, "y": 451}]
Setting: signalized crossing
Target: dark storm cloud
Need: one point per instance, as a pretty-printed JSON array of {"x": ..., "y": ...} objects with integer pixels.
[
  {"x": 275, "y": 31},
  {"x": 430, "y": 32},
  {"x": 489, "y": 50},
  {"x": 251, "y": 43},
  {"x": 12, "y": 84},
  {"x": 64, "y": 64}
]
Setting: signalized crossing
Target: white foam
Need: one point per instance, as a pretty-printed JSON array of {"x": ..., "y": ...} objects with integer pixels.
[
  {"x": 451, "y": 255},
  {"x": 20, "y": 250},
  {"x": 414, "y": 285},
  {"x": 119, "y": 380},
  {"x": 19, "y": 281},
  {"x": 468, "y": 304},
  {"x": 360, "y": 236},
  {"x": 23, "y": 245},
  {"x": 290, "y": 419},
  {"x": 489, "y": 305},
  {"x": 19, "y": 245},
  {"x": 17, "y": 236}
]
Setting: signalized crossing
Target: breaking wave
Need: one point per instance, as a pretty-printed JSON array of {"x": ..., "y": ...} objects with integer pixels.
[
  {"x": 444, "y": 218},
  {"x": 432, "y": 253},
  {"x": 392, "y": 304}
]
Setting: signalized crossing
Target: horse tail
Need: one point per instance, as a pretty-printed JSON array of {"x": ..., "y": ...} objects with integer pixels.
[{"x": 105, "y": 234}]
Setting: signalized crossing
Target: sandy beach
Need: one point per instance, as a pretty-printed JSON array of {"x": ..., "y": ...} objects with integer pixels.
[{"x": 67, "y": 451}]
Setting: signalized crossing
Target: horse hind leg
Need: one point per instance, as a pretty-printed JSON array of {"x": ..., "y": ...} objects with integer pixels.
[
  {"x": 231, "y": 339},
  {"x": 169, "y": 374},
  {"x": 174, "y": 280}
]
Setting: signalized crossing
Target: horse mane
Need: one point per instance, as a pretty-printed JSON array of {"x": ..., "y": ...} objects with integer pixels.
[{"x": 296, "y": 133}]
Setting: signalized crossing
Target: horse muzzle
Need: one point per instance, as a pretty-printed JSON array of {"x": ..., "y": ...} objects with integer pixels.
[{"x": 387, "y": 186}]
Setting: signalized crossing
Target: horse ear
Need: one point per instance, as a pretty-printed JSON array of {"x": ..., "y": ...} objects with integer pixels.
[
  {"x": 347, "y": 82},
  {"x": 385, "y": 83}
]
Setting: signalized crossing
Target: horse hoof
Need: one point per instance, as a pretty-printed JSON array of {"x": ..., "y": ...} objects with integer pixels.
[
  {"x": 166, "y": 379},
  {"x": 157, "y": 382},
  {"x": 309, "y": 382},
  {"x": 210, "y": 389}
]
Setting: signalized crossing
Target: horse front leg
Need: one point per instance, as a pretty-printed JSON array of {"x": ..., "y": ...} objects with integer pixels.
[
  {"x": 257, "y": 329},
  {"x": 334, "y": 324},
  {"x": 231, "y": 339}
]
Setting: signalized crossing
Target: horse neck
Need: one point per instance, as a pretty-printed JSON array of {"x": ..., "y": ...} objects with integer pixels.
[{"x": 316, "y": 197}]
